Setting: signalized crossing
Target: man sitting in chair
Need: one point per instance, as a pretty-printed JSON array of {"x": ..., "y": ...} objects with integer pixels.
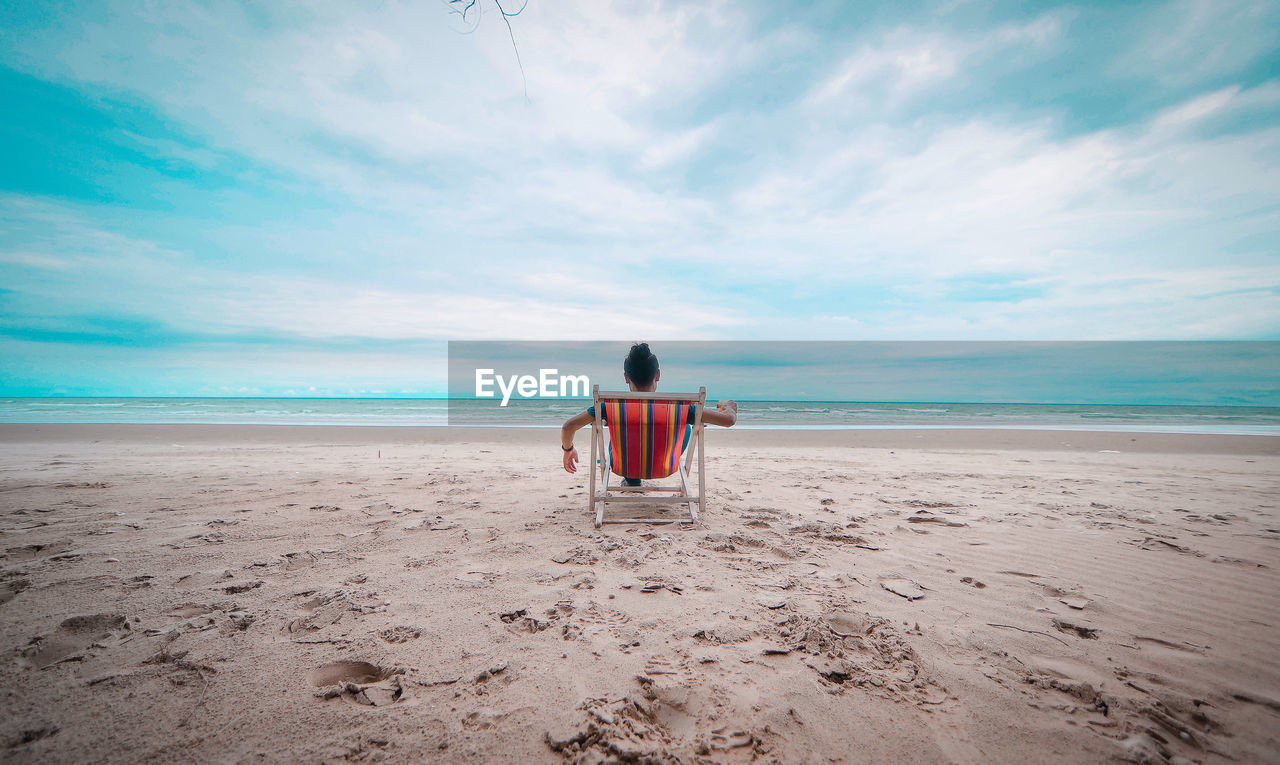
[{"x": 640, "y": 370}]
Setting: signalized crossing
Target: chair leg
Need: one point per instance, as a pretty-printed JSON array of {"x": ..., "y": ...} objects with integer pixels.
[
  {"x": 702, "y": 474},
  {"x": 600, "y": 504},
  {"x": 591, "y": 501},
  {"x": 684, "y": 491},
  {"x": 606, "y": 468},
  {"x": 591, "y": 488}
]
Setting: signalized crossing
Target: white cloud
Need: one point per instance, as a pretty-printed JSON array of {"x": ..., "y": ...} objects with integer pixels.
[
  {"x": 900, "y": 69},
  {"x": 1187, "y": 42},
  {"x": 666, "y": 151},
  {"x": 105, "y": 273},
  {"x": 982, "y": 190},
  {"x": 322, "y": 311},
  {"x": 906, "y": 61},
  {"x": 31, "y": 260},
  {"x": 1197, "y": 108}
]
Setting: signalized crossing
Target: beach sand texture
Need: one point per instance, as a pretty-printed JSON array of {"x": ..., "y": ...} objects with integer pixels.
[{"x": 174, "y": 594}]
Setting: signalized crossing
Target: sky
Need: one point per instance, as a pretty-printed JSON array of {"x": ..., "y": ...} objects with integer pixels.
[{"x": 314, "y": 198}]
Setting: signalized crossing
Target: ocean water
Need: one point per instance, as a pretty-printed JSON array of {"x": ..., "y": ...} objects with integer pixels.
[{"x": 809, "y": 415}]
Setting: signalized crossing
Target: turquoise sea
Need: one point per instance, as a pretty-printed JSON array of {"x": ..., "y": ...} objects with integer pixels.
[{"x": 808, "y": 415}]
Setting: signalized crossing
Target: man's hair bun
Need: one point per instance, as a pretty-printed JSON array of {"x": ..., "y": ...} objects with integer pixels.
[{"x": 641, "y": 365}]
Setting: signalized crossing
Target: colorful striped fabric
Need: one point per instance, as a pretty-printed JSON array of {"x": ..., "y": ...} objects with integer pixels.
[{"x": 647, "y": 438}]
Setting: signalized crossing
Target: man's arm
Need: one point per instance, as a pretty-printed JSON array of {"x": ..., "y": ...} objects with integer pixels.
[
  {"x": 725, "y": 414},
  {"x": 571, "y": 426}
]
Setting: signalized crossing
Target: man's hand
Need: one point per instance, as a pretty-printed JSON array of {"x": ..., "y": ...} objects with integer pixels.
[
  {"x": 571, "y": 460},
  {"x": 725, "y": 414}
]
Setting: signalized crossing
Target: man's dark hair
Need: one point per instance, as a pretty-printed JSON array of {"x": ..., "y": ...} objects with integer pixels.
[{"x": 641, "y": 365}]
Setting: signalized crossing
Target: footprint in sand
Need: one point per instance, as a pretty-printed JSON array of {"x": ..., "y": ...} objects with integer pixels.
[
  {"x": 595, "y": 621},
  {"x": 137, "y": 582},
  {"x": 478, "y": 578},
  {"x": 1165, "y": 726},
  {"x": 639, "y": 726},
  {"x": 195, "y": 617},
  {"x": 1154, "y": 543},
  {"x": 855, "y": 649},
  {"x": 831, "y": 532},
  {"x": 293, "y": 561},
  {"x": 595, "y": 616},
  {"x": 1079, "y": 630},
  {"x": 658, "y": 723},
  {"x": 1070, "y": 598},
  {"x": 400, "y": 634},
  {"x": 72, "y": 639},
  {"x": 903, "y": 588},
  {"x": 197, "y": 540},
  {"x": 31, "y": 735},
  {"x": 347, "y": 672},
  {"x": 721, "y": 542},
  {"x": 722, "y": 633},
  {"x": 202, "y": 579},
  {"x": 359, "y": 682},
  {"x": 11, "y": 587},
  {"x": 32, "y": 552},
  {"x": 677, "y": 666},
  {"x": 519, "y": 620},
  {"x": 1083, "y": 692},
  {"x": 924, "y": 516},
  {"x": 580, "y": 556},
  {"x": 188, "y": 610},
  {"x": 320, "y": 611},
  {"x": 486, "y": 719}
]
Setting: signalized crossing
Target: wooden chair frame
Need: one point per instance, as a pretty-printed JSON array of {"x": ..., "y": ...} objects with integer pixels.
[{"x": 601, "y": 460}]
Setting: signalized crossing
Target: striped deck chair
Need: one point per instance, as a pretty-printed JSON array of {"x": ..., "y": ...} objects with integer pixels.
[{"x": 650, "y": 436}]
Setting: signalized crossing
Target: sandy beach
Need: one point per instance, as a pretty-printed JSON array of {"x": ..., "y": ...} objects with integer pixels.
[{"x": 258, "y": 594}]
